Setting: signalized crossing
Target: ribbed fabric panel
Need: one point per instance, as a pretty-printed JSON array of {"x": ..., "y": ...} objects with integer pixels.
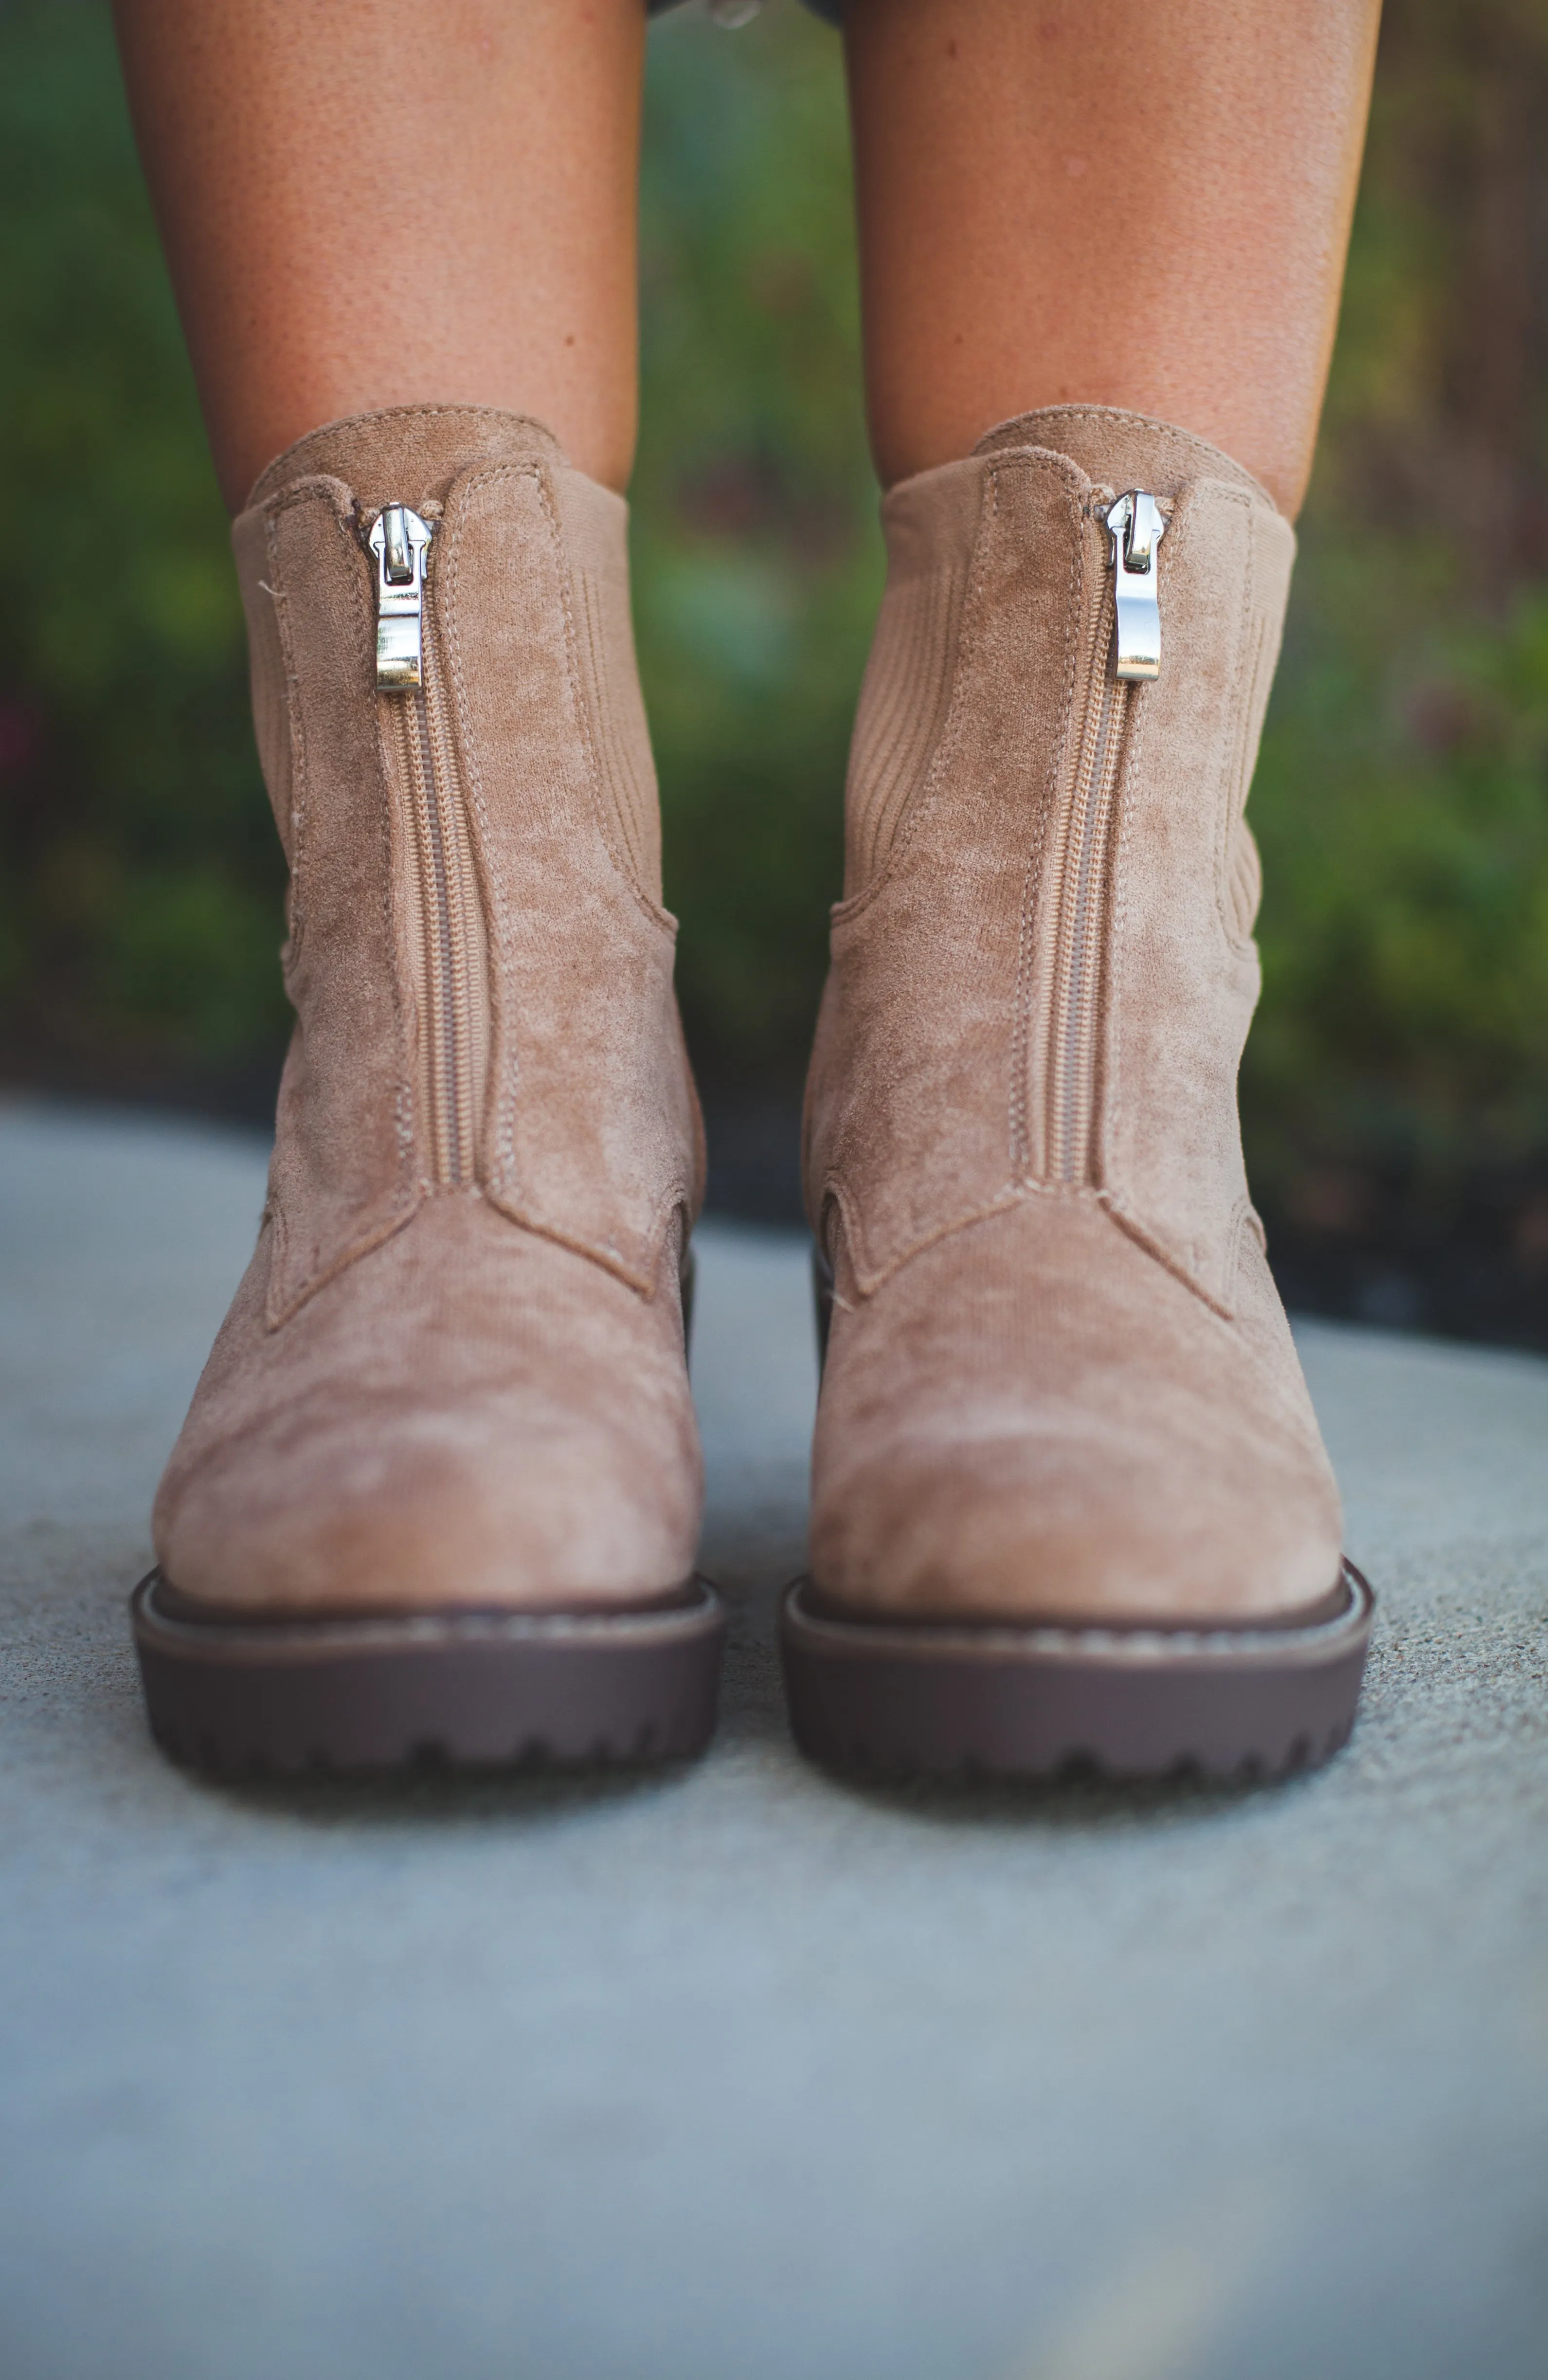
[
  {"x": 902, "y": 709},
  {"x": 619, "y": 724},
  {"x": 1244, "y": 879}
]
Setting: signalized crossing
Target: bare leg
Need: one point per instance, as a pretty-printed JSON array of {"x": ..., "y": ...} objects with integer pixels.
[
  {"x": 373, "y": 202},
  {"x": 1104, "y": 203}
]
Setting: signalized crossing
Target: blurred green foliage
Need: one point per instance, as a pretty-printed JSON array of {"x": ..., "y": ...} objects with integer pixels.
[
  {"x": 757, "y": 555},
  {"x": 1402, "y": 799},
  {"x": 139, "y": 883}
]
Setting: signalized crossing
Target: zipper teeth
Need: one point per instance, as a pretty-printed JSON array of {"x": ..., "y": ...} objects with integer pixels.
[
  {"x": 407, "y": 712},
  {"x": 1082, "y": 907},
  {"x": 441, "y": 923},
  {"x": 1080, "y": 1032},
  {"x": 459, "y": 895},
  {"x": 450, "y": 926}
]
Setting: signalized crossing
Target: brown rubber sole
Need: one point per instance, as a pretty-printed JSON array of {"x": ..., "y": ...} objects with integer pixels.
[
  {"x": 454, "y": 1690},
  {"x": 897, "y": 1700}
]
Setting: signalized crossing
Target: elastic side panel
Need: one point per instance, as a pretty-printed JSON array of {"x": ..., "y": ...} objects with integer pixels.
[
  {"x": 1272, "y": 559},
  {"x": 930, "y": 524},
  {"x": 1244, "y": 880},
  {"x": 916, "y": 1112},
  {"x": 251, "y": 536},
  {"x": 595, "y": 524},
  {"x": 902, "y": 709}
]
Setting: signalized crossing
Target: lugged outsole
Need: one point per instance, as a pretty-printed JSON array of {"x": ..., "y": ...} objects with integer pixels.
[
  {"x": 892, "y": 1700},
  {"x": 457, "y": 1690}
]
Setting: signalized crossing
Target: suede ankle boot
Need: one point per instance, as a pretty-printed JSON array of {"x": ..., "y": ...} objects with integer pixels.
[
  {"x": 439, "y": 1488},
  {"x": 1070, "y": 1499}
]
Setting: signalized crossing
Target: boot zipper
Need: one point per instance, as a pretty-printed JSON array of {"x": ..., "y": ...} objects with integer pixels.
[
  {"x": 1136, "y": 525},
  {"x": 1131, "y": 633},
  {"x": 449, "y": 954}
]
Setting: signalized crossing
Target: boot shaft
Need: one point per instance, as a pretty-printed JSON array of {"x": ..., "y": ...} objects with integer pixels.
[
  {"x": 1042, "y": 967},
  {"x": 450, "y": 730}
]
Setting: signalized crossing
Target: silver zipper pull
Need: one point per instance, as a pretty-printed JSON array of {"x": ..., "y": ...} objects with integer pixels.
[
  {"x": 400, "y": 541},
  {"x": 1137, "y": 525}
]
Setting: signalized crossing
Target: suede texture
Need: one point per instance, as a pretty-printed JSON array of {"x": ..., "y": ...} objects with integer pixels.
[
  {"x": 455, "y": 1374},
  {"x": 1059, "y": 1383}
]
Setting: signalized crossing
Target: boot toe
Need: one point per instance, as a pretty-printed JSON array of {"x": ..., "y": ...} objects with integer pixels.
[
  {"x": 1072, "y": 1435},
  {"x": 528, "y": 1446}
]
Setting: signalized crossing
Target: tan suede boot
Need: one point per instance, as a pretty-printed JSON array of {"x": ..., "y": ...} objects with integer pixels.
[
  {"x": 1070, "y": 1497},
  {"x": 439, "y": 1487}
]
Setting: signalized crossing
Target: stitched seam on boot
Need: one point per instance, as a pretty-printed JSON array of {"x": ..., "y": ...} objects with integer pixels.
[
  {"x": 678, "y": 1193},
  {"x": 275, "y": 472},
  {"x": 1210, "y": 457},
  {"x": 969, "y": 641},
  {"x": 486, "y": 869},
  {"x": 1167, "y": 1258},
  {"x": 1110, "y": 1098},
  {"x": 867, "y": 1281},
  {"x": 1020, "y": 1150},
  {"x": 1188, "y": 1270},
  {"x": 1109, "y": 1103},
  {"x": 869, "y": 1272},
  {"x": 639, "y": 1276},
  {"x": 631, "y": 799},
  {"x": 278, "y": 1312},
  {"x": 596, "y": 774},
  {"x": 968, "y": 654},
  {"x": 276, "y": 600},
  {"x": 1250, "y": 654},
  {"x": 299, "y": 776},
  {"x": 905, "y": 700},
  {"x": 870, "y": 1276},
  {"x": 280, "y": 1298}
]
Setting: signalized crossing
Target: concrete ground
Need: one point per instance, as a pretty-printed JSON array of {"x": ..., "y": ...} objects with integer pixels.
[{"x": 740, "y": 2074}]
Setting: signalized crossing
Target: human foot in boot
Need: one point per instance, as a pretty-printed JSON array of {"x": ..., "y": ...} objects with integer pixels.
[
  {"x": 1070, "y": 1495},
  {"x": 439, "y": 1487}
]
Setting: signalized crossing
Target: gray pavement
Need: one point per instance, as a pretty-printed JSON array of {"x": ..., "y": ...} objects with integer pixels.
[{"x": 739, "y": 2074}]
